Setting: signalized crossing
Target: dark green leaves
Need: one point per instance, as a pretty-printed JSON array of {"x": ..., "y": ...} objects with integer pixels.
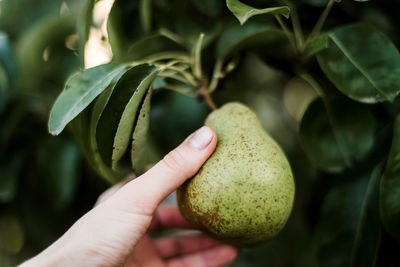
[
  {"x": 336, "y": 133},
  {"x": 349, "y": 233},
  {"x": 390, "y": 187},
  {"x": 80, "y": 90},
  {"x": 368, "y": 237},
  {"x": 141, "y": 79},
  {"x": 236, "y": 37},
  {"x": 243, "y": 12},
  {"x": 320, "y": 43},
  {"x": 117, "y": 120},
  {"x": 124, "y": 25},
  {"x": 105, "y": 128},
  {"x": 90, "y": 139},
  {"x": 362, "y": 63},
  {"x": 340, "y": 214}
]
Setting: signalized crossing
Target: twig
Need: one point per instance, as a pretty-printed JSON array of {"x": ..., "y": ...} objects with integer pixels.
[
  {"x": 298, "y": 32},
  {"x": 215, "y": 76},
  {"x": 320, "y": 23},
  {"x": 286, "y": 31},
  {"x": 314, "y": 84},
  {"x": 203, "y": 91},
  {"x": 187, "y": 75}
]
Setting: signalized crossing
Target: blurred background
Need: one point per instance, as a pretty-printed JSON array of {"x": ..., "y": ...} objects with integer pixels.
[{"x": 45, "y": 182}]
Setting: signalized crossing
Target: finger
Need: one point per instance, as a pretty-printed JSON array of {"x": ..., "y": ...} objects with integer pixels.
[
  {"x": 213, "y": 257},
  {"x": 144, "y": 254},
  {"x": 168, "y": 216},
  {"x": 112, "y": 190},
  {"x": 168, "y": 247},
  {"x": 145, "y": 193}
]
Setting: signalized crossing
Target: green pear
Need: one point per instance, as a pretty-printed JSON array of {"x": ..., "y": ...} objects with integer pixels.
[{"x": 244, "y": 192}]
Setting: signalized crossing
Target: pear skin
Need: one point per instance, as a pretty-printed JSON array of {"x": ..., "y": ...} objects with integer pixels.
[{"x": 244, "y": 192}]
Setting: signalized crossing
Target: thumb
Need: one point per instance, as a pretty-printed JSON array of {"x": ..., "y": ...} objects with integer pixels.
[{"x": 148, "y": 190}]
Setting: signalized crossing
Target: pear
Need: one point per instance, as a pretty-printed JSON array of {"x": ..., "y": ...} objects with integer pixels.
[{"x": 243, "y": 194}]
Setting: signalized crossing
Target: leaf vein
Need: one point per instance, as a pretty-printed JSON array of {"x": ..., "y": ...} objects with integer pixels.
[{"x": 357, "y": 65}]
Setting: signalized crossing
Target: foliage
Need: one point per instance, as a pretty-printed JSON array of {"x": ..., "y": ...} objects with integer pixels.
[{"x": 322, "y": 75}]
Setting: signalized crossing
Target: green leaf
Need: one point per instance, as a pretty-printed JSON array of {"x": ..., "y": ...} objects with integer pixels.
[
  {"x": 95, "y": 158},
  {"x": 9, "y": 173},
  {"x": 334, "y": 134},
  {"x": 316, "y": 46},
  {"x": 130, "y": 113},
  {"x": 368, "y": 237},
  {"x": 84, "y": 129},
  {"x": 80, "y": 90},
  {"x": 116, "y": 121},
  {"x": 139, "y": 137},
  {"x": 235, "y": 38},
  {"x": 362, "y": 63},
  {"x": 243, "y": 12},
  {"x": 124, "y": 26},
  {"x": 339, "y": 219},
  {"x": 390, "y": 187}
]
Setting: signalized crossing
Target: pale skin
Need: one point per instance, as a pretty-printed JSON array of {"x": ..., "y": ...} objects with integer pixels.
[{"x": 115, "y": 232}]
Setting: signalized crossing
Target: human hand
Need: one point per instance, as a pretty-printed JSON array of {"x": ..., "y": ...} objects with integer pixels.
[{"x": 114, "y": 232}]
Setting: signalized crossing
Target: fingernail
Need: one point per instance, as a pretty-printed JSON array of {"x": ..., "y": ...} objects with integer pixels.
[{"x": 201, "y": 138}]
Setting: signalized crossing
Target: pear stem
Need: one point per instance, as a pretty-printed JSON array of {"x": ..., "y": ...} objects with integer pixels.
[{"x": 203, "y": 91}]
